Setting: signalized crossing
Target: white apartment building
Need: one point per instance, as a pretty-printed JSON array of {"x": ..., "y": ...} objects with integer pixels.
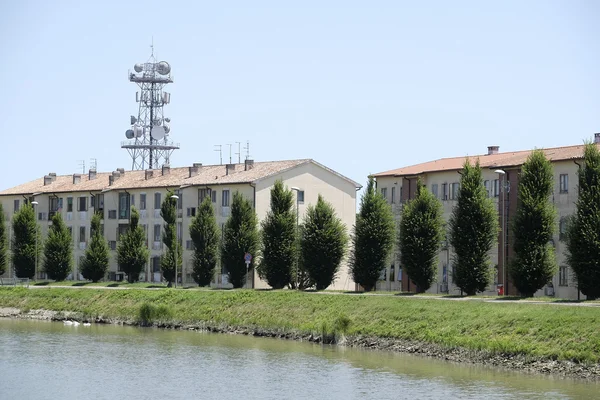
[
  {"x": 442, "y": 178},
  {"x": 78, "y": 196}
]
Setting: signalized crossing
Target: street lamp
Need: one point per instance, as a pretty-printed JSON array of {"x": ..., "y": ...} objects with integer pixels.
[
  {"x": 175, "y": 258},
  {"x": 35, "y": 203},
  {"x": 297, "y": 190},
  {"x": 504, "y": 272}
]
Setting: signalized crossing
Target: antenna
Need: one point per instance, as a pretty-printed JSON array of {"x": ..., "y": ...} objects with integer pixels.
[
  {"x": 220, "y": 153},
  {"x": 93, "y": 163},
  {"x": 247, "y": 148},
  {"x": 229, "y": 144},
  {"x": 81, "y": 165},
  {"x": 148, "y": 141},
  {"x": 239, "y": 153}
]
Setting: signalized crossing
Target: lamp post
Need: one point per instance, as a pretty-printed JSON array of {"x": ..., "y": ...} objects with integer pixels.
[
  {"x": 297, "y": 190},
  {"x": 504, "y": 272},
  {"x": 35, "y": 203},
  {"x": 176, "y": 255}
]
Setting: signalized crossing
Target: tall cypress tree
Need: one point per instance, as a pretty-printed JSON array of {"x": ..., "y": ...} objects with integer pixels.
[
  {"x": 240, "y": 236},
  {"x": 534, "y": 263},
  {"x": 473, "y": 231},
  {"x": 3, "y": 242},
  {"x": 279, "y": 239},
  {"x": 96, "y": 259},
  {"x": 421, "y": 231},
  {"x": 324, "y": 243},
  {"x": 25, "y": 231},
  {"x": 204, "y": 233},
  {"x": 58, "y": 250},
  {"x": 168, "y": 212},
  {"x": 583, "y": 231},
  {"x": 373, "y": 238},
  {"x": 132, "y": 253}
]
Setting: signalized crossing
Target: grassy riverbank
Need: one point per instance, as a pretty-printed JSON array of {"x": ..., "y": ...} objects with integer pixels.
[{"x": 548, "y": 331}]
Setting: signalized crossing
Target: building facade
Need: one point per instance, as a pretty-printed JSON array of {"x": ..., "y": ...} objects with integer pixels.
[
  {"x": 113, "y": 194},
  {"x": 501, "y": 180}
]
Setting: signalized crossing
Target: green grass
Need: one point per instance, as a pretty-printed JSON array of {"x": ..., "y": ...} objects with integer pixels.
[{"x": 549, "y": 331}]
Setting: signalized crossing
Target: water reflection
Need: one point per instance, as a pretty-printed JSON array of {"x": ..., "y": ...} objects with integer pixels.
[{"x": 124, "y": 362}]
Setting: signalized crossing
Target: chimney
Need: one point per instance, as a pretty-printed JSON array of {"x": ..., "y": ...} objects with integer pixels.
[
  {"x": 249, "y": 164},
  {"x": 166, "y": 169},
  {"x": 149, "y": 174},
  {"x": 493, "y": 150},
  {"x": 47, "y": 180},
  {"x": 112, "y": 178},
  {"x": 229, "y": 167},
  {"x": 194, "y": 169},
  {"x": 597, "y": 138},
  {"x": 76, "y": 179},
  {"x": 92, "y": 174},
  {"x": 53, "y": 176},
  {"x": 121, "y": 171}
]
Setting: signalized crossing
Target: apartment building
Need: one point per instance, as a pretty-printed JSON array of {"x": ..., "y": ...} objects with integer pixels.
[
  {"x": 113, "y": 194},
  {"x": 501, "y": 179}
]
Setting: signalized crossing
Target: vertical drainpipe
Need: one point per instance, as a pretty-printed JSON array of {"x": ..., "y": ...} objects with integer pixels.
[{"x": 253, "y": 184}]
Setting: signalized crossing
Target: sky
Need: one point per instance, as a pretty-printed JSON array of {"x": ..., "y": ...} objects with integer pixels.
[{"x": 359, "y": 86}]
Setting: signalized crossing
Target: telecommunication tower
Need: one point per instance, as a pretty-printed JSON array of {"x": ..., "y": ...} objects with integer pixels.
[{"x": 149, "y": 145}]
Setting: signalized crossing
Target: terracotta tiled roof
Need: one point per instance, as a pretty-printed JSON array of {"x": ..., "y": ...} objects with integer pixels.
[
  {"x": 207, "y": 175},
  {"x": 499, "y": 160}
]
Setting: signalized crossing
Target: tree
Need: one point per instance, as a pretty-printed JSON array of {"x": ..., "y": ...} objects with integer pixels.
[
  {"x": 58, "y": 250},
  {"x": 168, "y": 212},
  {"x": 25, "y": 231},
  {"x": 132, "y": 254},
  {"x": 279, "y": 239},
  {"x": 240, "y": 236},
  {"x": 324, "y": 242},
  {"x": 534, "y": 263},
  {"x": 204, "y": 233},
  {"x": 473, "y": 232},
  {"x": 3, "y": 243},
  {"x": 421, "y": 231},
  {"x": 583, "y": 230},
  {"x": 373, "y": 238},
  {"x": 95, "y": 261}
]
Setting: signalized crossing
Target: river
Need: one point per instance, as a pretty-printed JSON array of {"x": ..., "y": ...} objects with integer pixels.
[{"x": 50, "y": 360}]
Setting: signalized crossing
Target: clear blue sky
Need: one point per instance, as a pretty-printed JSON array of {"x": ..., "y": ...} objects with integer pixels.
[{"x": 360, "y": 86}]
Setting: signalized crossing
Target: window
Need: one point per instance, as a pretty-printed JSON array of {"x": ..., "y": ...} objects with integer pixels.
[
  {"x": 496, "y": 187},
  {"x": 143, "y": 201},
  {"x": 392, "y": 269},
  {"x": 214, "y": 196},
  {"x": 399, "y": 273},
  {"x": 562, "y": 228},
  {"x": 189, "y": 245},
  {"x": 225, "y": 199},
  {"x": 53, "y": 204},
  {"x": 563, "y": 276},
  {"x": 434, "y": 190},
  {"x": 393, "y": 194},
  {"x": 16, "y": 205},
  {"x": 70, "y": 231},
  {"x": 100, "y": 201},
  {"x": 564, "y": 183},
  {"x": 93, "y": 201},
  {"x": 124, "y": 205},
  {"x": 156, "y": 264},
  {"x": 444, "y": 191},
  {"x": 454, "y": 191},
  {"x": 202, "y": 194},
  {"x": 112, "y": 244},
  {"x": 81, "y": 234},
  {"x": 157, "y": 201},
  {"x": 69, "y": 204},
  {"x": 191, "y": 211},
  {"x": 382, "y": 274},
  {"x": 112, "y": 214},
  {"x": 300, "y": 195},
  {"x": 486, "y": 185},
  {"x": 179, "y": 194},
  {"x": 384, "y": 193},
  {"x": 157, "y": 233},
  {"x": 82, "y": 204},
  {"x": 132, "y": 200}
]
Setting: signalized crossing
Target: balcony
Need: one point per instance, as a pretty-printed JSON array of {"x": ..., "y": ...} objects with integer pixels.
[
  {"x": 225, "y": 211},
  {"x": 83, "y": 215},
  {"x": 157, "y": 213},
  {"x": 157, "y": 245},
  {"x": 143, "y": 214},
  {"x": 82, "y": 245},
  {"x": 69, "y": 216}
]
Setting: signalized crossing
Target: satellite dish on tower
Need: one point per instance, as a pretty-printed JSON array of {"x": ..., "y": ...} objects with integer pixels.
[
  {"x": 163, "y": 68},
  {"x": 133, "y": 120},
  {"x": 158, "y": 132},
  {"x": 167, "y": 129},
  {"x": 138, "y": 130},
  {"x": 138, "y": 67},
  {"x": 129, "y": 134}
]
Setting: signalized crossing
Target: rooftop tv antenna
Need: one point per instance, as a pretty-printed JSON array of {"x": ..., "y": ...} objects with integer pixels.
[
  {"x": 229, "y": 144},
  {"x": 239, "y": 153},
  {"x": 220, "y": 153},
  {"x": 148, "y": 141},
  {"x": 247, "y": 148},
  {"x": 81, "y": 164},
  {"x": 93, "y": 163}
]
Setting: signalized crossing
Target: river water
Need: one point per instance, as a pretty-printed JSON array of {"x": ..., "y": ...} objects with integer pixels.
[{"x": 48, "y": 360}]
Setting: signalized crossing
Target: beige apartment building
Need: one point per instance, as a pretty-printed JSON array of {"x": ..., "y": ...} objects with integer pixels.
[
  {"x": 501, "y": 179},
  {"x": 78, "y": 196}
]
